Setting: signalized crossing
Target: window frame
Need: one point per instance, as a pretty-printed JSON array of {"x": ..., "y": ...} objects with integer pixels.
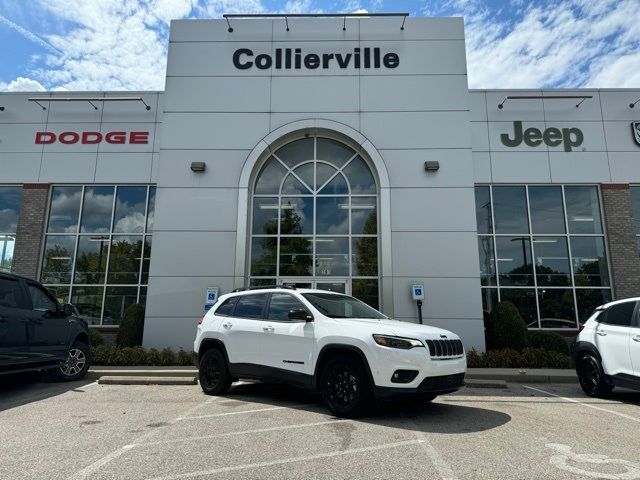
[
  {"x": 634, "y": 315},
  {"x": 24, "y": 303},
  {"x": 264, "y": 307},
  {"x": 567, "y": 235},
  {"x": 233, "y": 299},
  {"x": 304, "y": 307}
]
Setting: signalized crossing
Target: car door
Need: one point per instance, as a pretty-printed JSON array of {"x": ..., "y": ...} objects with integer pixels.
[
  {"x": 287, "y": 345},
  {"x": 613, "y": 335},
  {"x": 240, "y": 334},
  {"x": 634, "y": 344},
  {"x": 14, "y": 323},
  {"x": 49, "y": 329}
]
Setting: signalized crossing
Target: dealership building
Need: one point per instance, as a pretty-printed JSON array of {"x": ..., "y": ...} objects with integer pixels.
[{"x": 339, "y": 153}]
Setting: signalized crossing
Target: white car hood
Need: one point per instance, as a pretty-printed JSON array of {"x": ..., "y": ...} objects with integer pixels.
[{"x": 402, "y": 329}]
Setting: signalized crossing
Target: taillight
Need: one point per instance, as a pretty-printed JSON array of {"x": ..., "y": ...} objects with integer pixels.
[{"x": 200, "y": 320}]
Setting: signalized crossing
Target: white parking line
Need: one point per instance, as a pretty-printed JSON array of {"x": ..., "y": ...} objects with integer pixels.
[
  {"x": 239, "y": 412},
  {"x": 95, "y": 466},
  {"x": 443, "y": 468},
  {"x": 213, "y": 471},
  {"x": 628, "y": 417},
  {"x": 245, "y": 432}
]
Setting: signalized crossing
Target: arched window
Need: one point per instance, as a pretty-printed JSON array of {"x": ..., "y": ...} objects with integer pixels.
[{"x": 314, "y": 220}]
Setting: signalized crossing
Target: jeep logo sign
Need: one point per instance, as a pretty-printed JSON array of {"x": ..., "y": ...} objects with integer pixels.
[{"x": 552, "y": 137}]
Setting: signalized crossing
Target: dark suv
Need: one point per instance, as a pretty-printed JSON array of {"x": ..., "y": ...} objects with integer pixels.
[{"x": 37, "y": 333}]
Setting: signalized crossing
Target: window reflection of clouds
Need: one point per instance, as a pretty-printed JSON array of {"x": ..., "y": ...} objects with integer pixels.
[
  {"x": 360, "y": 176},
  {"x": 296, "y": 215},
  {"x": 96, "y": 210},
  {"x": 332, "y": 215},
  {"x": 64, "y": 209},
  {"x": 10, "y": 198},
  {"x": 130, "y": 206}
]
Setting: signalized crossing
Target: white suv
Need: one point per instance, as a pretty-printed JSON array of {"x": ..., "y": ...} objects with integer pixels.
[
  {"x": 324, "y": 341},
  {"x": 607, "y": 350}
]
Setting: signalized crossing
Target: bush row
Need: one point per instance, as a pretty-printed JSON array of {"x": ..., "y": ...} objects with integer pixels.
[
  {"x": 131, "y": 356},
  {"x": 510, "y": 358}
]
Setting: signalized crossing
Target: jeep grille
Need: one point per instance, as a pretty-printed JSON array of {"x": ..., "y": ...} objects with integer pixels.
[{"x": 445, "y": 348}]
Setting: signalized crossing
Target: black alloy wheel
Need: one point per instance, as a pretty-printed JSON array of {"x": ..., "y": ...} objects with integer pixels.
[
  {"x": 214, "y": 374},
  {"x": 345, "y": 387},
  {"x": 591, "y": 377},
  {"x": 76, "y": 365}
]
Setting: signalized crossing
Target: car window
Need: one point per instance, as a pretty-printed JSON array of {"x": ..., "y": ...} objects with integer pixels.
[
  {"x": 620, "y": 314},
  {"x": 250, "y": 306},
  {"x": 40, "y": 300},
  {"x": 226, "y": 307},
  {"x": 9, "y": 293},
  {"x": 334, "y": 305},
  {"x": 280, "y": 305}
]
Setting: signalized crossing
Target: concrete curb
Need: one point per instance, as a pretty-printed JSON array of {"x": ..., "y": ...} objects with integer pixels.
[
  {"x": 96, "y": 373},
  {"x": 138, "y": 380},
  {"x": 471, "y": 383}
]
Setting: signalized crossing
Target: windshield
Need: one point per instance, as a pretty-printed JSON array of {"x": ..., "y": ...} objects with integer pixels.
[{"x": 341, "y": 306}]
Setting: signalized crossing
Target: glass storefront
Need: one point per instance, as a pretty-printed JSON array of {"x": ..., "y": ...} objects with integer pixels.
[
  {"x": 315, "y": 221},
  {"x": 543, "y": 249},
  {"x": 10, "y": 199},
  {"x": 97, "y": 248}
]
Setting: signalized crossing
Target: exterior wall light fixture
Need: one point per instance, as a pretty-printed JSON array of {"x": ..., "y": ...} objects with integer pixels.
[
  {"x": 198, "y": 167},
  {"x": 431, "y": 166}
]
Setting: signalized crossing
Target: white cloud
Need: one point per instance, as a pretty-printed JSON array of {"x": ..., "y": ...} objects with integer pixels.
[
  {"x": 27, "y": 34},
  {"x": 22, "y": 84}
]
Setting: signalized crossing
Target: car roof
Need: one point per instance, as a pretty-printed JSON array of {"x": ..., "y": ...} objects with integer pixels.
[
  {"x": 280, "y": 290},
  {"x": 623, "y": 300}
]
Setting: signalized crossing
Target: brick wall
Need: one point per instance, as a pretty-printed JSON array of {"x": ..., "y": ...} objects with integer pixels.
[
  {"x": 624, "y": 258},
  {"x": 30, "y": 232}
]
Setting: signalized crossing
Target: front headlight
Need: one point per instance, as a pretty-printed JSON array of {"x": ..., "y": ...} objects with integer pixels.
[{"x": 397, "y": 342}]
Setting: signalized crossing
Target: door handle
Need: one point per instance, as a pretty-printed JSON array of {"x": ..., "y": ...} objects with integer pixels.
[
  {"x": 268, "y": 328},
  {"x": 227, "y": 325},
  {"x": 601, "y": 333},
  {"x": 636, "y": 338}
]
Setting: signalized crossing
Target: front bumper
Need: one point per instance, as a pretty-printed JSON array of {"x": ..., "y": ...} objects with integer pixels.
[{"x": 430, "y": 385}]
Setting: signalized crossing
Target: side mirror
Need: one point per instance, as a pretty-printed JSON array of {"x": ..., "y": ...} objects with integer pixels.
[
  {"x": 66, "y": 310},
  {"x": 300, "y": 314}
]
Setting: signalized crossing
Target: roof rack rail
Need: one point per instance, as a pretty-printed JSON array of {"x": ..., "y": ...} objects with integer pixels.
[{"x": 262, "y": 287}]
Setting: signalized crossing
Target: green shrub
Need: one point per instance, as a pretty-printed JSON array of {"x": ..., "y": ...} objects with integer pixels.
[
  {"x": 133, "y": 356},
  {"x": 185, "y": 359},
  {"x": 153, "y": 357},
  {"x": 550, "y": 341},
  {"x": 167, "y": 357},
  {"x": 105, "y": 355},
  {"x": 505, "y": 328},
  {"x": 510, "y": 358},
  {"x": 132, "y": 326},
  {"x": 95, "y": 337}
]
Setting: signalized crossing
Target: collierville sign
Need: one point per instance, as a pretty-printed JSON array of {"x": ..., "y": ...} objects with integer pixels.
[
  {"x": 552, "y": 137},
  {"x": 92, "y": 138},
  {"x": 293, "y": 59}
]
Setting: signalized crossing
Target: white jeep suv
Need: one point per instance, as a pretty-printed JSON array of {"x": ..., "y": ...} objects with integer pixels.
[
  {"x": 607, "y": 350},
  {"x": 324, "y": 341}
]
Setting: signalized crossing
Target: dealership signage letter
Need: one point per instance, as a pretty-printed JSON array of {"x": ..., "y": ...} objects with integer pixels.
[{"x": 552, "y": 137}]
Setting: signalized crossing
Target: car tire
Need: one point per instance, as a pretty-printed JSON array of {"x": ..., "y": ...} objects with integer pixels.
[
  {"x": 77, "y": 363},
  {"x": 345, "y": 387},
  {"x": 214, "y": 373},
  {"x": 591, "y": 376}
]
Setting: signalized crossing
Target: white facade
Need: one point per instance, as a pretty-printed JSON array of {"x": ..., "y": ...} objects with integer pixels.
[{"x": 396, "y": 117}]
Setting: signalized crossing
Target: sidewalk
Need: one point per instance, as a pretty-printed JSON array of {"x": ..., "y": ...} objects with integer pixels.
[{"x": 512, "y": 375}]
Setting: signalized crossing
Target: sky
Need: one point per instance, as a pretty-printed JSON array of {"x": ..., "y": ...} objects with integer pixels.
[{"x": 84, "y": 45}]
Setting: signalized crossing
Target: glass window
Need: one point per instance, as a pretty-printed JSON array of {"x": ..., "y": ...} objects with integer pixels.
[
  {"x": 10, "y": 296},
  {"x": 620, "y": 314},
  {"x": 510, "y": 209},
  {"x": 547, "y": 214},
  {"x": 524, "y": 300},
  {"x": 265, "y": 216},
  {"x": 366, "y": 290},
  {"x": 250, "y": 306},
  {"x": 295, "y": 152},
  {"x": 264, "y": 256},
  {"x": 364, "y": 252},
  {"x": 130, "y": 210},
  {"x": 40, "y": 300},
  {"x": 552, "y": 261},
  {"x": 483, "y": 210},
  {"x": 97, "y": 248},
  {"x": 341, "y": 306},
  {"x": 10, "y": 199},
  {"x": 64, "y": 209},
  {"x": 364, "y": 219},
  {"x": 296, "y": 256},
  {"x": 296, "y": 216},
  {"x": 557, "y": 308},
  {"x": 589, "y": 299},
  {"x": 281, "y": 304},
  {"x": 60, "y": 293},
  {"x": 334, "y": 152},
  {"x": 96, "y": 210},
  {"x": 332, "y": 257},
  {"x": 514, "y": 260},
  {"x": 489, "y": 300},
  {"x": 332, "y": 215},
  {"x": 270, "y": 177},
  {"x": 360, "y": 176},
  {"x": 7, "y": 245},
  {"x": 487, "y": 260},
  {"x": 589, "y": 261},
  {"x": 226, "y": 307},
  {"x": 583, "y": 209}
]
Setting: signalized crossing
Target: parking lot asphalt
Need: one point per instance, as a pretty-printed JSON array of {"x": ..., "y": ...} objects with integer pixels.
[{"x": 87, "y": 431}]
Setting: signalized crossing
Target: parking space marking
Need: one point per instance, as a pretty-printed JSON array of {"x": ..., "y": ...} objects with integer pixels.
[
  {"x": 623, "y": 415},
  {"x": 444, "y": 469},
  {"x": 245, "y": 432},
  {"x": 632, "y": 470},
  {"x": 95, "y": 466},
  {"x": 257, "y": 410},
  {"x": 319, "y": 456}
]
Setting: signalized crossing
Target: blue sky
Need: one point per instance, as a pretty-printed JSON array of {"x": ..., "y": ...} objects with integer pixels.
[{"x": 122, "y": 44}]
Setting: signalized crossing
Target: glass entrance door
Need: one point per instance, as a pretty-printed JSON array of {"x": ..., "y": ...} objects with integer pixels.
[{"x": 339, "y": 285}]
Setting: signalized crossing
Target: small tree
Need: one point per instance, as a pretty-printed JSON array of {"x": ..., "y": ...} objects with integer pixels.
[
  {"x": 132, "y": 326},
  {"x": 505, "y": 328}
]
